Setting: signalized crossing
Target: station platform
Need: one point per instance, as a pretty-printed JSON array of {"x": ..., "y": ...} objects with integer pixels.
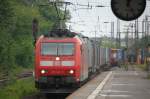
[{"x": 115, "y": 84}]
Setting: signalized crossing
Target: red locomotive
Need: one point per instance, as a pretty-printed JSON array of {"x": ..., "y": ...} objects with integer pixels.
[{"x": 65, "y": 60}]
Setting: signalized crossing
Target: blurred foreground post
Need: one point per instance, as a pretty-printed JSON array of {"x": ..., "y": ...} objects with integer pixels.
[{"x": 148, "y": 60}]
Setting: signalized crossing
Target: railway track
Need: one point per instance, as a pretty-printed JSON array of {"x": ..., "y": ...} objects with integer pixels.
[
  {"x": 46, "y": 96},
  {"x": 4, "y": 80},
  {"x": 4, "y": 77},
  {"x": 24, "y": 74}
]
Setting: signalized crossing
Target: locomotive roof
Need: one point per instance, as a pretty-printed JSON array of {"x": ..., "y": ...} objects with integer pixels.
[
  {"x": 60, "y": 33},
  {"x": 63, "y": 33}
]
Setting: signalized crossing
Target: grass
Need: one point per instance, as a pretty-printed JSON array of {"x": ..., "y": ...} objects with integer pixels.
[
  {"x": 125, "y": 66},
  {"x": 148, "y": 77},
  {"x": 141, "y": 66},
  {"x": 18, "y": 89}
]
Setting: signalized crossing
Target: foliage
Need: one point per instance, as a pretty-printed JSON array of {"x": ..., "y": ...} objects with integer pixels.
[
  {"x": 143, "y": 42},
  {"x": 18, "y": 89},
  {"x": 108, "y": 43},
  {"x": 16, "y": 42},
  {"x": 6, "y": 14},
  {"x": 142, "y": 66}
]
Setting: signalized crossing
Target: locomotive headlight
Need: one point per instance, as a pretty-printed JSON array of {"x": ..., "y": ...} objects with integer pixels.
[
  {"x": 43, "y": 71},
  {"x": 71, "y": 71},
  {"x": 57, "y": 58}
]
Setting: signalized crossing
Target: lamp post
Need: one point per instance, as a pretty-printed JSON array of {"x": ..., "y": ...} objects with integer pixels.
[
  {"x": 112, "y": 28},
  {"x": 106, "y": 26},
  {"x": 127, "y": 37}
]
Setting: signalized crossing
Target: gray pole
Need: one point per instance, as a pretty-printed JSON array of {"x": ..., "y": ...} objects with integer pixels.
[
  {"x": 132, "y": 32},
  {"x": 147, "y": 30},
  {"x": 135, "y": 32},
  {"x": 112, "y": 30},
  {"x": 118, "y": 32},
  {"x": 143, "y": 28},
  {"x": 137, "y": 29},
  {"x": 127, "y": 38},
  {"x": 95, "y": 35}
]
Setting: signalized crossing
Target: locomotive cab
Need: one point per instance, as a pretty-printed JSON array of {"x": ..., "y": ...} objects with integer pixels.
[
  {"x": 64, "y": 61},
  {"x": 57, "y": 62}
]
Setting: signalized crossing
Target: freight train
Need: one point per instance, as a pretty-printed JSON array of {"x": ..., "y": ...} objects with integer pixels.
[
  {"x": 65, "y": 60},
  {"x": 117, "y": 56}
]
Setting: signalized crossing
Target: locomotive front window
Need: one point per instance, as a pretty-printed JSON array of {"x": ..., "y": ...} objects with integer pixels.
[
  {"x": 66, "y": 49},
  {"x": 57, "y": 49},
  {"x": 49, "y": 49}
]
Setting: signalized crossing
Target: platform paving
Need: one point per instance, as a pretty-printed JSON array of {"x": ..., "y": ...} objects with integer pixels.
[{"x": 122, "y": 84}]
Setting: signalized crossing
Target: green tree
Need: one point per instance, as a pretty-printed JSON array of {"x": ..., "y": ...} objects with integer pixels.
[
  {"x": 6, "y": 14},
  {"x": 16, "y": 42}
]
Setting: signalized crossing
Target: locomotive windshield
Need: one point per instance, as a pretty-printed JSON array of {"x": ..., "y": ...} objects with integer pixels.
[
  {"x": 57, "y": 49},
  {"x": 49, "y": 49},
  {"x": 66, "y": 49}
]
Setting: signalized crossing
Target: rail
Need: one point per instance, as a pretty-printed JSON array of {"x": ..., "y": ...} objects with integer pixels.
[
  {"x": 4, "y": 77},
  {"x": 24, "y": 74}
]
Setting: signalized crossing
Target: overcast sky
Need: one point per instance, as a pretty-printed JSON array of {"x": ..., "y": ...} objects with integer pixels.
[{"x": 86, "y": 21}]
